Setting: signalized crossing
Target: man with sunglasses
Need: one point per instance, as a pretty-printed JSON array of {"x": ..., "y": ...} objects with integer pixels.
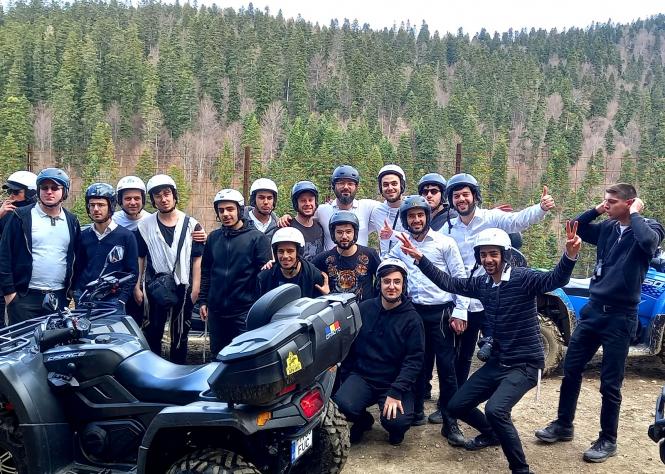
[
  {"x": 432, "y": 186},
  {"x": 37, "y": 249}
]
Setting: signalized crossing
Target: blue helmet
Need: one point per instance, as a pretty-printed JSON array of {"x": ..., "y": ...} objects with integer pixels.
[
  {"x": 344, "y": 217},
  {"x": 56, "y": 175},
  {"x": 433, "y": 179},
  {"x": 301, "y": 187},
  {"x": 414, "y": 201},
  {"x": 463, "y": 180},
  {"x": 101, "y": 190},
  {"x": 345, "y": 172}
]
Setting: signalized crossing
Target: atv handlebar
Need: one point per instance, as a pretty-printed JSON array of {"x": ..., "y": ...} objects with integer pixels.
[{"x": 53, "y": 337}]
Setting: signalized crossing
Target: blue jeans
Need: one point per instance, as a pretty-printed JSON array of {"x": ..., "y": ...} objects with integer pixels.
[{"x": 609, "y": 328}]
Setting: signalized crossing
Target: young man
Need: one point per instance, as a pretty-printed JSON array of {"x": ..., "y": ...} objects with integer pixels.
[
  {"x": 464, "y": 197},
  {"x": 442, "y": 313},
  {"x": 625, "y": 244},
  {"x": 350, "y": 267},
  {"x": 516, "y": 356},
  {"x": 98, "y": 240},
  {"x": 21, "y": 188},
  {"x": 288, "y": 245},
  {"x": 38, "y": 248},
  {"x": 432, "y": 186},
  {"x": 305, "y": 197},
  {"x": 385, "y": 360},
  {"x": 160, "y": 235},
  {"x": 232, "y": 259},
  {"x": 131, "y": 197},
  {"x": 262, "y": 202},
  {"x": 385, "y": 216}
]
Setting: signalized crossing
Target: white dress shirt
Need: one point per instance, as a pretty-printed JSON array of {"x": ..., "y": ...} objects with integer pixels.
[
  {"x": 382, "y": 213},
  {"x": 361, "y": 208}
]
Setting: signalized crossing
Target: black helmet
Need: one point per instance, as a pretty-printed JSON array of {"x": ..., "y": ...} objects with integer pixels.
[
  {"x": 344, "y": 217},
  {"x": 345, "y": 172},
  {"x": 101, "y": 190},
  {"x": 301, "y": 187},
  {"x": 56, "y": 175},
  {"x": 414, "y": 201},
  {"x": 433, "y": 179},
  {"x": 460, "y": 181}
]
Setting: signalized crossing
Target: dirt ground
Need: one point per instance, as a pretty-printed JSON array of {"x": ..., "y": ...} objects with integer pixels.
[{"x": 424, "y": 449}]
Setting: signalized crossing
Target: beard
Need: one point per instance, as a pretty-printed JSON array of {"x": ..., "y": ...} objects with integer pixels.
[{"x": 469, "y": 211}]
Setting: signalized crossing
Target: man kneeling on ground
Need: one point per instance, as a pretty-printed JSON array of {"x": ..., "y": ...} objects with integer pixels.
[
  {"x": 385, "y": 359},
  {"x": 515, "y": 354}
]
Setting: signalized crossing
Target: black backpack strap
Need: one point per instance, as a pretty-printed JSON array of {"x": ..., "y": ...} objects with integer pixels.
[{"x": 185, "y": 224}]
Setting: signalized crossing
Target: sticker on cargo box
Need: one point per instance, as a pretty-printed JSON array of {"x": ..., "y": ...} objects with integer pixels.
[
  {"x": 333, "y": 329},
  {"x": 293, "y": 364}
]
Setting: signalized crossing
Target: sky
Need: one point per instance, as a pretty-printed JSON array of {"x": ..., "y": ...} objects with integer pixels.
[{"x": 471, "y": 15}]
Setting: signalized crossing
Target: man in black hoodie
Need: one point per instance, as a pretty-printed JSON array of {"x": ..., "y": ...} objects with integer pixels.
[
  {"x": 625, "y": 244},
  {"x": 385, "y": 360},
  {"x": 232, "y": 259}
]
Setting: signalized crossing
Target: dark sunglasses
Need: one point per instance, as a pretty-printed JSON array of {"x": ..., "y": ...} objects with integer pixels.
[
  {"x": 432, "y": 191},
  {"x": 13, "y": 192},
  {"x": 47, "y": 187}
]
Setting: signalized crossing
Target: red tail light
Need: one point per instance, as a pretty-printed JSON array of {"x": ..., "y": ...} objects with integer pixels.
[{"x": 311, "y": 403}]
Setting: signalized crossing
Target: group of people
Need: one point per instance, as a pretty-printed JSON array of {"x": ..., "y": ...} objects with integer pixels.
[{"x": 443, "y": 274}]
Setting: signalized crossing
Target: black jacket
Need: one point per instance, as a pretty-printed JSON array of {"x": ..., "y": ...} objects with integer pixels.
[
  {"x": 232, "y": 260},
  {"x": 390, "y": 348},
  {"x": 442, "y": 217},
  {"x": 625, "y": 258},
  {"x": 16, "y": 250},
  {"x": 308, "y": 277}
]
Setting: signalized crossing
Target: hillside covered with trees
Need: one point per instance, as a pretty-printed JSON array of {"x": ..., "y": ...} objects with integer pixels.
[{"x": 105, "y": 88}]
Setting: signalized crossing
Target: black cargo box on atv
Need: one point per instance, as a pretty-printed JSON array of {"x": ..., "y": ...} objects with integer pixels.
[{"x": 291, "y": 341}]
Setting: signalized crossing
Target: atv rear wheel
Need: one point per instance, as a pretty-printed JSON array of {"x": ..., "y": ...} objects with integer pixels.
[
  {"x": 552, "y": 344},
  {"x": 330, "y": 445},
  {"x": 12, "y": 451},
  {"x": 212, "y": 461}
]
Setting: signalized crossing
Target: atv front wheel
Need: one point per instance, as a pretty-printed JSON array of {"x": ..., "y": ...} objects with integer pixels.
[
  {"x": 330, "y": 445},
  {"x": 552, "y": 344},
  {"x": 212, "y": 461},
  {"x": 12, "y": 451}
]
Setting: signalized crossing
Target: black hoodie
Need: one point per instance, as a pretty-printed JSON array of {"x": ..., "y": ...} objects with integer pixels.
[
  {"x": 390, "y": 348},
  {"x": 232, "y": 260},
  {"x": 308, "y": 276}
]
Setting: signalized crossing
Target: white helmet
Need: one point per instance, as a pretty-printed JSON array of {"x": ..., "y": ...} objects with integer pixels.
[
  {"x": 21, "y": 179},
  {"x": 130, "y": 182},
  {"x": 492, "y": 237},
  {"x": 288, "y": 234},
  {"x": 262, "y": 184},
  {"x": 392, "y": 262},
  {"x": 229, "y": 195},
  {"x": 160, "y": 180},
  {"x": 393, "y": 169}
]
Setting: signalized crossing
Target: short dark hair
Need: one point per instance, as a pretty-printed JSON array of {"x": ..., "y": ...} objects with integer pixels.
[{"x": 623, "y": 191}]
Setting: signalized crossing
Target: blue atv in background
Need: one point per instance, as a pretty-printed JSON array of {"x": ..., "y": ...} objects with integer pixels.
[{"x": 559, "y": 311}]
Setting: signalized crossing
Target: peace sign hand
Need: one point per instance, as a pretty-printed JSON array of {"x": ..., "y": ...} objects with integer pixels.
[
  {"x": 573, "y": 241},
  {"x": 408, "y": 248}
]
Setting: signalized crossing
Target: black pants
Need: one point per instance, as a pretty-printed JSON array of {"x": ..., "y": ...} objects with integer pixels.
[
  {"x": 223, "y": 328},
  {"x": 439, "y": 347},
  {"x": 356, "y": 394},
  {"x": 180, "y": 316},
  {"x": 467, "y": 345},
  {"x": 2, "y": 313},
  {"x": 502, "y": 387},
  {"x": 613, "y": 331},
  {"x": 28, "y": 305},
  {"x": 135, "y": 310}
]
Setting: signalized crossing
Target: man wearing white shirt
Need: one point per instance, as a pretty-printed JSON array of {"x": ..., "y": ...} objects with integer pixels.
[
  {"x": 463, "y": 194},
  {"x": 443, "y": 314},
  {"x": 385, "y": 217}
]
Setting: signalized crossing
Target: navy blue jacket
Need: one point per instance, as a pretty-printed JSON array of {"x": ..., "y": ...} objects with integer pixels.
[
  {"x": 92, "y": 253},
  {"x": 16, "y": 251},
  {"x": 625, "y": 258}
]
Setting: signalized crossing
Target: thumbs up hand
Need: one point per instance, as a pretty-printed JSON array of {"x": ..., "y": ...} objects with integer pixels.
[
  {"x": 546, "y": 201},
  {"x": 386, "y": 231}
]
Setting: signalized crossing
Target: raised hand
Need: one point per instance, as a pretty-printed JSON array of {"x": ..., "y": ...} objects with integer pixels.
[
  {"x": 573, "y": 241},
  {"x": 325, "y": 288},
  {"x": 546, "y": 201},
  {"x": 386, "y": 230},
  {"x": 600, "y": 208},
  {"x": 7, "y": 207},
  {"x": 408, "y": 248},
  {"x": 637, "y": 205}
]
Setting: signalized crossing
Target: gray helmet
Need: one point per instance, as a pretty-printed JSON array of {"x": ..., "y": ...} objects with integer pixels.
[
  {"x": 414, "y": 201},
  {"x": 344, "y": 217},
  {"x": 463, "y": 180},
  {"x": 301, "y": 187},
  {"x": 345, "y": 172},
  {"x": 56, "y": 175},
  {"x": 433, "y": 179}
]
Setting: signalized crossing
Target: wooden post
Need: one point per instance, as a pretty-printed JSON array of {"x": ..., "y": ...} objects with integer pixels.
[
  {"x": 245, "y": 174},
  {"x": 458, "y": 158}
]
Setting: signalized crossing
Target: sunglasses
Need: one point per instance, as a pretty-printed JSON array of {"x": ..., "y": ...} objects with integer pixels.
[
  {"x": 52, "y": 187},
  {"x": 13, "y": 192},
  {"x": 433, "y": 191}
]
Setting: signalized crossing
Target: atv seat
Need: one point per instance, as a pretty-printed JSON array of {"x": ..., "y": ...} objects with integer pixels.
[
  {"x": 152, "y": 379},
  {"x": 263, "y": 310}
]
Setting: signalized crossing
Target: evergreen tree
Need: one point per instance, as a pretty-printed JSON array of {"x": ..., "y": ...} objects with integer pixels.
[
  {"x": 224, "y": 167},
  {"x": 251, "y": 138},
  {"x": 183, "y": 187},
  {"x": 146, "y": 167},
  {"x": 498, "y": 171}
]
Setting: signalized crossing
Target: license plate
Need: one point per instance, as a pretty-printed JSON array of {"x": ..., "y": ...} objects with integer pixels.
[{"x": 300, "y": 446}]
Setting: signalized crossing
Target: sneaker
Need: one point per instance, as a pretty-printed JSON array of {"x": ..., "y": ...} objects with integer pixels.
[
  {"x": 359, "y": 427},
  {"x": 452, "y": 432},
  {"x": 395, "y": 438},
  {"x": 419, "y": 419},
  {"x": 555, "y": 432},
  {"x": 600, "y": 450},
  {"x": 481, "y": 442},
  {"x": 435, "y": 418}
]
